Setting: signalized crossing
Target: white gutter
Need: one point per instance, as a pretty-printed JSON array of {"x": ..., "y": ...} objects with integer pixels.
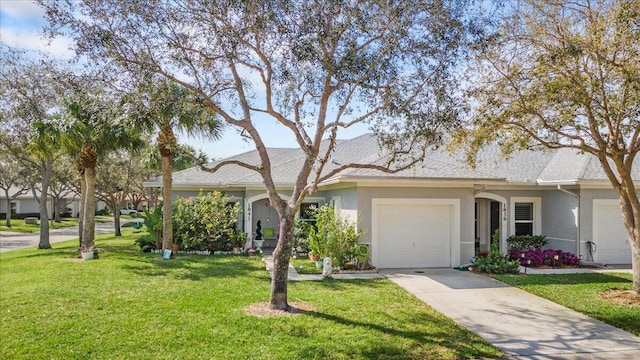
[{"x": 577, "y": 217}]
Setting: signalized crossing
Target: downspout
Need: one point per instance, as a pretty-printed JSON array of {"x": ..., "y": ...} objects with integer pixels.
[{"x": 577, "y": 217}]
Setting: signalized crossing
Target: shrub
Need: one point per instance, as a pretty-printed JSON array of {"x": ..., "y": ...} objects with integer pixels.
[
  {"x": 538, "y": 257},
  {"x": 300, "y": 238},
  {"x": 207, "y": 222},
  {"x": 103, "y": 212},
  {"x": 20, "y": 216},
  {"x": 146, "y": 243},
  {"x": 495, "y": 262},
  {"x": 527, "y": 241},
  {"x": 153, "y": 223},
  {"x": 332, "y": 236}
]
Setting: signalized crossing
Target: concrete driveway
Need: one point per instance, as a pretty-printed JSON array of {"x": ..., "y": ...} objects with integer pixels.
[
  {"x": 522, "y": 325},
  {"x": 12, "y": 241}
]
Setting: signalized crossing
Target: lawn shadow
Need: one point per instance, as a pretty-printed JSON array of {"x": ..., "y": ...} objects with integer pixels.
[
  {"x": 195, "y": 268},
  {"x": 570, "y": 279},
  {"x": 457, "y": 343},
  {"x": 33, "y": 252},
  {"x": 343, "y": 284}
]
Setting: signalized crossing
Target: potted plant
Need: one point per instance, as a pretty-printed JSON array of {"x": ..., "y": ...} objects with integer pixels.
[
  {"x": 87, "y": 253},
  {"x": 258, "y": 240}
]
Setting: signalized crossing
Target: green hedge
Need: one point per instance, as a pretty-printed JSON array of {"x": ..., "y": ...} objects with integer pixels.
[{"x": 527, "y": 242}]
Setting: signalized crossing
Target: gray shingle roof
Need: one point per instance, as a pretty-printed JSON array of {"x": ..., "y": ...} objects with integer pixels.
[{"x": 529, "y": 166}]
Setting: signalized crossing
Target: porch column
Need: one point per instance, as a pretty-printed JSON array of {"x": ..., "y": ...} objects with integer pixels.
[{"x": 248, "y": 227}]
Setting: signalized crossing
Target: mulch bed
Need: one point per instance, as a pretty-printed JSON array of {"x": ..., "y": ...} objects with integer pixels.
[
  {"x": 625, "y": 297},
  {"x": 263, "y": 309}
]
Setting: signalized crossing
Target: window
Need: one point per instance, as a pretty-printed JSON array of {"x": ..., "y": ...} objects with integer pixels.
[
  {"x": 524, "y": 218},
  {"x": 307, "y": 212},
  {"x": 14, "y": 207}
]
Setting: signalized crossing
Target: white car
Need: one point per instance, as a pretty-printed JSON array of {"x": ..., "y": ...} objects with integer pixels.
[{"x": 126, "y": 211}]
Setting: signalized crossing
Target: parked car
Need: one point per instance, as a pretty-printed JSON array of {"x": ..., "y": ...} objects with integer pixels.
[{"x": 126, "y": 211}]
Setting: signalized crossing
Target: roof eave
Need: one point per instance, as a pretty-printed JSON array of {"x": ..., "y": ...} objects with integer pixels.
[{"x": 371, "y": 179}]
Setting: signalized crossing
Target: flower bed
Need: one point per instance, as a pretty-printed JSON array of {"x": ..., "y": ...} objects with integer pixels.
[{"x": 539, "y": 257}]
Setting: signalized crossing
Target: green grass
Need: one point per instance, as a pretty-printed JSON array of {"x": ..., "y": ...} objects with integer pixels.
[
  {"x": 304, "y": 265},
  {"x": 129, "y": 305},
  {"x": 581, "y": 292},
  {"x": 18, "y": 225}
]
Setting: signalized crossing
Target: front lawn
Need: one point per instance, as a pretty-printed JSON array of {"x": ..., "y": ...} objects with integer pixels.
[
  {"x": 129, "y": 305},
  {"x": 18, "y": 225},
  {"x": 582, "y": 292},
  {"x": 304, "y": 265}
]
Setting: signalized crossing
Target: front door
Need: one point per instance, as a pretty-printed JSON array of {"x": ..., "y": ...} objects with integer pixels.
[{"x": 494, "y": 220}]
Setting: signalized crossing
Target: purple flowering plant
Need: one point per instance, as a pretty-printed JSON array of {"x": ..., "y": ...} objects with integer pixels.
[{"x": 539, "y": 257}]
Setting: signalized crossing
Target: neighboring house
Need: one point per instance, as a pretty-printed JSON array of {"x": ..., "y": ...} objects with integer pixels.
[
  {"x": 442, "y": 212},
  {"x": 27, "y": 204}
]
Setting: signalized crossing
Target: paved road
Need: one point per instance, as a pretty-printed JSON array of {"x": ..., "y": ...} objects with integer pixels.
[
  {"x": 522, "y": 325},
  {"x": 12, "y": 241}
]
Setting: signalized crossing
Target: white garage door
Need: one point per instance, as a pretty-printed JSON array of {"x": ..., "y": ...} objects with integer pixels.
[
  {"x": 609, "y": 234},
  {"x": 412, "y": 234}
]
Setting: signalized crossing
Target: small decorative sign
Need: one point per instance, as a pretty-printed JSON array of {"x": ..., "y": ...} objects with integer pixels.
[{"x": 166, "y": 255}]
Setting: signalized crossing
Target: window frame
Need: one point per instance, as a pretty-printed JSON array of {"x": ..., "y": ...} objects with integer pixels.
[
  {"x": 536, "y": 213},
  {"x": 17, "y": 207}
]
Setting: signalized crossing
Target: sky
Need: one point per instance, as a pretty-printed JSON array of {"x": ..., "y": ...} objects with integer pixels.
[{"x": 21, "y": 22}]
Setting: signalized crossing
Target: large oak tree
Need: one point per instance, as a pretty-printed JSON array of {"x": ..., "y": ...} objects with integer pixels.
[
  {"x": 31, "y": 87},
  {"x": 311, "y": 67},
  {"x": 13, "y": 180},
  {"x": 567, "y": 75}
]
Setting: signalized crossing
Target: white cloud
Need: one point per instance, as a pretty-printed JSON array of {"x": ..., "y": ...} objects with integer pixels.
[
  {"x": 22, "y": 10},
  {"x": 32, "y": 40}
]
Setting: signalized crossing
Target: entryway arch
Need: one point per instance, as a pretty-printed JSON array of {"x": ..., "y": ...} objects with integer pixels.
[
  {"x": 491, "y": 214},
  {"x": 249, "y": 226}
]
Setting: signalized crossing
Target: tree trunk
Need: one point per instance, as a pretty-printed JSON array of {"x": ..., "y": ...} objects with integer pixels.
[
  {"x": 630, "y": 207},
  {"x": 167, "y": 223},
  {"x": 635, "y": 262},
  {"x": 89, "y": 205},
  {"x": 8, "y": 215},
  {"x": 281, "y": 254},
  {"x": 57, "y": 205},
  {"x": 116, "y": 221},
  {"x": 44, "y": 214},
  {"x": 83, "y": 195}
]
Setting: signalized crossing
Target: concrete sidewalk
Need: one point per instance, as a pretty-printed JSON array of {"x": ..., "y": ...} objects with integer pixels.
[
  {"x": 522, "y": 325},
  {"x": 13, "y": 241}
]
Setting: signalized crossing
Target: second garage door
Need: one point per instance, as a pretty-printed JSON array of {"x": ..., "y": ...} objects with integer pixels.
[
  {"x": 413, "y": 233},
  {"x": 609, "y": 234}
]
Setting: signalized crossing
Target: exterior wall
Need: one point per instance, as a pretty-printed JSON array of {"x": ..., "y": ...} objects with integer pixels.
[
  {"x": 560, "y": 220},
  {"x": 586, "y": 215},
  {"x": 465, "y": 195},
  {"x": 348, "y": 203},
  {"x": 27, "y": 205}
]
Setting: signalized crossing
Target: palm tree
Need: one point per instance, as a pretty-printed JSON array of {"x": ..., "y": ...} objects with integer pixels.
[
  {"x": 92, "y": 132},
  {"x": 166, "y": 107},
  {"x": 186, "y": 156}
]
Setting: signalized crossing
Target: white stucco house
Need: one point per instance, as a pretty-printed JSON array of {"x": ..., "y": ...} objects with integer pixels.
[
  {"x": 27, "y": 204},
  {"x": 442, "y": 212}
]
